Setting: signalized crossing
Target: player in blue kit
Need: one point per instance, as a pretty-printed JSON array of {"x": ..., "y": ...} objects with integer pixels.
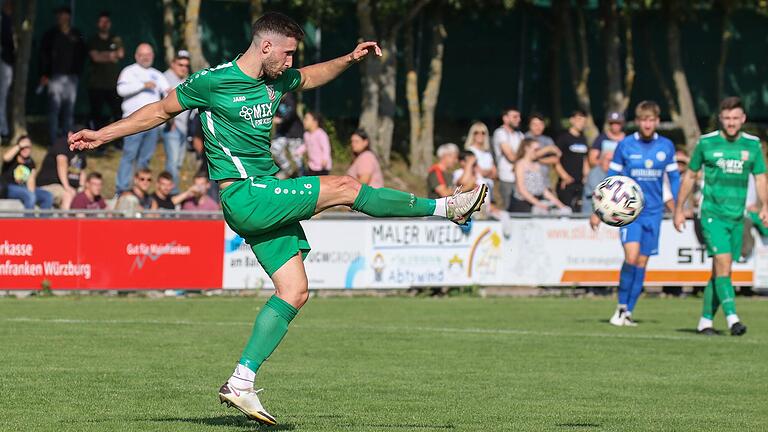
[{"x": 646, "y": 157}]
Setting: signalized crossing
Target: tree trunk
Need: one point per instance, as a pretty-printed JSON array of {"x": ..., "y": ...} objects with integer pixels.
[
  {"x": 423, "y": 142},
  {"x": 661, "y": 80},
  {"x": 629, "y": 60},
  {"x": 579, "y": 69},
  {"x": 688, "y": 121},
  {"x": 612, "y": 46},
  {"x": 192, "y": 36},
  {"x": 257, "y": 10},
  {"x": 725, "y": 41},
  {"x": 26, "y": 10},
  {"x": 412, "y": 98},
  {"x": 555, "y": 48},
  {"x": 370, "y": 69},
  {"x": 169, "y": 27},
  {"x": 387, "y": 101}
]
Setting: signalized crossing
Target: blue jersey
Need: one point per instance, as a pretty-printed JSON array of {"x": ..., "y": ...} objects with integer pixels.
[{"x": 646, "y": 162}]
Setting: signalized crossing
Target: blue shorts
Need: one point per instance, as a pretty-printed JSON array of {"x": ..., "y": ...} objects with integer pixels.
[{"x": 645, "y": 230}]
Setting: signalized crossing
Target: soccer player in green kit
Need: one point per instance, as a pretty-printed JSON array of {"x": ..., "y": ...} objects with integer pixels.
[
  {"x": 728, "y": 157},
  {"x": 237, "y": 101}
]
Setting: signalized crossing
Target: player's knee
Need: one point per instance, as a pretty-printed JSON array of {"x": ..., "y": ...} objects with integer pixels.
[
  {"x": 297, "y": 295},
  {"x": 632, "y": 259}
]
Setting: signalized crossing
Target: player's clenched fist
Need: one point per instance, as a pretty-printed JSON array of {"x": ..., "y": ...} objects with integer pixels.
[
  {"x": 363, "y": 49},
  {"x": 85, "y": 139}
]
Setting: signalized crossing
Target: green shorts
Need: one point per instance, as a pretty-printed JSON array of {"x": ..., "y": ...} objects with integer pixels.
[
  {"x": 722, "y": 236},
  {"x": 266, "y": 211}
]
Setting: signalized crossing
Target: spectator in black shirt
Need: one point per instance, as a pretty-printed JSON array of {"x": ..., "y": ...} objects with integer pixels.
[
  {"x": 574, "y": 161},
  {"x": 18, "y": 175},
  {"x": 7, "y": 60},
  {"x": 62, "y": 55},
  {"x": 289, "y": 135},
  {"x": 105, "y": 50},
  {"x": 163, "y": 198},
  {"x": 62, "y": 172}
]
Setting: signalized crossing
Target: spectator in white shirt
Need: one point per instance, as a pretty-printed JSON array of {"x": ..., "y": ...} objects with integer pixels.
[
  {"x": 506, "y": 140},
  {"x": 479, "y": 144},
  {"x": 139, "y": 84}
]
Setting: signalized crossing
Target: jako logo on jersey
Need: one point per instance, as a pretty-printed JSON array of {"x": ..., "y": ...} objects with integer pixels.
[
  {"x": 238, "y": 99},
  {"x": 731, "y": 166},
  {"x": 271, "y": 92},
  {"x": 257, "y": 115}
]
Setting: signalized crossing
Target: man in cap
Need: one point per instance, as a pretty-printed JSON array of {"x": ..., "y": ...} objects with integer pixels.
[{"x": 609, "y": 139}]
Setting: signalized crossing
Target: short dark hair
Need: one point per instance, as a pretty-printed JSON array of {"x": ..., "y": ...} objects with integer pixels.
[
  {"x": 21, "y": 138},
  {"x": 93, "y": 175},
  {"x": 165, "y": 175},
  {"x": 361, "y": 133},
  {"x": 730, "y": 103},
  {"x": 275, "y": 22},
  {"x": 578, "y": 112},
  {"x": 464, "y": 154},
  {"x": 63, "y": 9},
  {"x": 316, "y": 115},
  {"x": 105, "y": 14},
  {"x": 538, "y": 116},
  {"x": 510, "y": 108},
  {"x": 201, "y": 175}
]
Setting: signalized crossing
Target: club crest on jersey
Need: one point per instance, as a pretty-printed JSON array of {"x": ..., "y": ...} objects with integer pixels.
[
  {"x": 271, "y": 92},
  {"x": 744, "y": 155},
  {"x": 661, "y": 156}
]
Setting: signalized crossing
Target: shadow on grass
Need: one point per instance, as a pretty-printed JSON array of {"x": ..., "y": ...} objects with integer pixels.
[
  {"x": 227, "y": 420},
  {"x": 577, "y": 425},
  {"x": 404, "y": 426},
  {"x": 694, "y": 331}
]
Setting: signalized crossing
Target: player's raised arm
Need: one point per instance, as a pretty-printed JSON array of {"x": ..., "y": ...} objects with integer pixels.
[
  {"x": 146, "y": 118},
  {"x": 319, "y": 74}
]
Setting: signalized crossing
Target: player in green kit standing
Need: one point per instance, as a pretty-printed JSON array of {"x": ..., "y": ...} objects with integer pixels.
[
  {"x": 728, "y": 157},
  {"x": 237, "y": 101}
]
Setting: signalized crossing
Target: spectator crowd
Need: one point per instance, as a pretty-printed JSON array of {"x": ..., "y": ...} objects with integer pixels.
[{"x": 526, "y": 171}]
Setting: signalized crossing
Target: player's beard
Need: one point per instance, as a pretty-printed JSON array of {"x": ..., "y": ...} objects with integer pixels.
[{"x": 272, "y": 68}]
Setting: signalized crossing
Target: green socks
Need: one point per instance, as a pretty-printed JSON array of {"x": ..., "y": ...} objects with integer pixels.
[
  {"x": 711, "y": 301},
  {"x": 385, "y": 202},
  {"x": 725, "y": 293},
  {"x": 269, "y": 329}
]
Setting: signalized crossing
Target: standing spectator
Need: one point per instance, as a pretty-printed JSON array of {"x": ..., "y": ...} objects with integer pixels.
[
  {"x": 163, "y": 198},
  {"x": 105, "y": 50},
  {"x": 288, "y": 138},
  {"x": 7, "y": 60},
  {"x": 62, "y": 55},
  {"x": 90, "y": 198},
  {"x": 532, "y": 193},
  {"x": 595, "y": 176},
  {"x": 574, "y": 148},
  {"x": 468, "y": 175},
  {"x": 506, "y": 140},
  {"x": 548, "y": 154},
  {"x": 62, "y": 172},
  {"x": 200, "y": 201},
  {"x": 139, "y": 84},
  {"x": 609, "y": 139},
  {"x": 439, "y": 180},
  {"x": 18, "y": 174},
  {"x": 317, "y": 146},
  {"x": 365, "y": 166},
  {"x": 138, "y": 197},
  {"x": 479, "y": 143},
  {"x": 176, "y": 132}
]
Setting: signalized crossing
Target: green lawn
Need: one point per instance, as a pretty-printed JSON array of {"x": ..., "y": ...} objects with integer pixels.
[{"x": 381, "y": 364}]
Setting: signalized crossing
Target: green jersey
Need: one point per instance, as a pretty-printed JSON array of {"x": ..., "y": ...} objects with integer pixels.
[
  {"x": 236, "y": 114},
  {"x": 727, "y": 166}
]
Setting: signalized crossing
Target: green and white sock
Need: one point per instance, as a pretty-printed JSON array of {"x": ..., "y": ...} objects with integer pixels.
[
  {"x": 704, "y": 323},
  {"x": 385, "y": 202},
  {"x": 725, "y": 293},
  {"x": 732, "y": 319}
]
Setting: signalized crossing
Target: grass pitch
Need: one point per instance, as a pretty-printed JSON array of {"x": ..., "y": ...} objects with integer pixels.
[{"x": 381, "y": 364}]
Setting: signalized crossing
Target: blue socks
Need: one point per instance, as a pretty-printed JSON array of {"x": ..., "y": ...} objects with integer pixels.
[
  {"x": 637, "y": 288},
  {"x": 626, "y": 279}
]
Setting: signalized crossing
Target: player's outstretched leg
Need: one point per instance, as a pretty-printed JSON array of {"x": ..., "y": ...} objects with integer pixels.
[
  {"x": 385, "y": 202},
  {"x": 271, "y": 326}
]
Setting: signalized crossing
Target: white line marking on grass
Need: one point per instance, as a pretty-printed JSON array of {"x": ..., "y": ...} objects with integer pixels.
[{"x": 401, "y": 329}]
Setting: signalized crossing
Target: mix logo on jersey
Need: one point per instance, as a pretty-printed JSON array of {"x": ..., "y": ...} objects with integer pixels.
[
  {"x": 731, "y": 166},
  {"x": 257, "y": 115}
]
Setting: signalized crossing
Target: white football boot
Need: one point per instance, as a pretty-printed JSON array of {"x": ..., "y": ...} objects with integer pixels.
[
  {"x": 460, "y": 206},
  {"x": 618, "y": 318},
  {"x": 247, "y": 402}
]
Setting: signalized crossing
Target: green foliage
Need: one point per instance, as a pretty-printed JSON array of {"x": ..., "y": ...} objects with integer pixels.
[{"x": 340, "y": 151}]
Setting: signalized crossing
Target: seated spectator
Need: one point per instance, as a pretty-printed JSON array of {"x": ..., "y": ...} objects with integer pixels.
[
  {"x": 316, "y": 145},
  {"x": 595, "y": 176},
  {"x": 138, "y": 197},
  {"x": 609, "y": 139},
  {"x": 548, "y": 155},
  {"x": 439, "y": 182},
  {"x": 163, "y": 198},
  {"x": 62, "y": 172},
  {"x": 532, "y": 192},
  {"x": 365, "y": 166},
  {"x": 18, "y": 175},
  {"x": 90, "y": 198},
  {"x": 199, "y": 199}
]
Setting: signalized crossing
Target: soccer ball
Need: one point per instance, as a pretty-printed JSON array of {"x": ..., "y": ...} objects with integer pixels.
[{"x": 618, "y": 200}]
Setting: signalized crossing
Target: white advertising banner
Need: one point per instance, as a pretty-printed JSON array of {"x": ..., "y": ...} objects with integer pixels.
[{"x": 398, "y": 253}]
